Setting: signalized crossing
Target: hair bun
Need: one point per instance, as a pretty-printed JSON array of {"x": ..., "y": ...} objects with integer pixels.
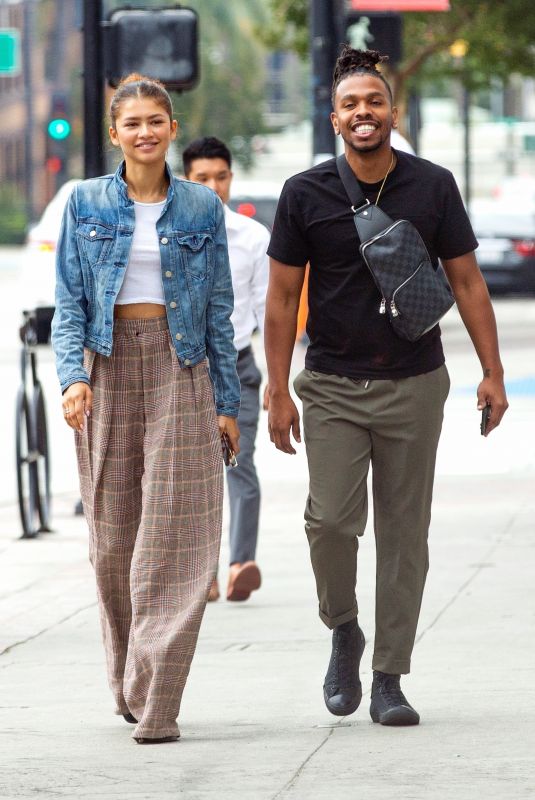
[
  {"x": 354, "y": 59},
  {"x": 136, "y": 77}
]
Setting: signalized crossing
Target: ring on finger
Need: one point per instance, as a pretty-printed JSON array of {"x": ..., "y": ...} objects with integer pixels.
[{"x": 66, "y": 411}]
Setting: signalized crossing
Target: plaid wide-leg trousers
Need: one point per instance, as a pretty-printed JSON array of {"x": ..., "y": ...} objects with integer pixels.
[{"x": 151, "y": 478}]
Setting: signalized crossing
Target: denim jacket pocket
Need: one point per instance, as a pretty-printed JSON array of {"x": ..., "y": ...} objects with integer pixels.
[
  {"x": 96, "y": 241},
  {"x": 197, "y": 252}
]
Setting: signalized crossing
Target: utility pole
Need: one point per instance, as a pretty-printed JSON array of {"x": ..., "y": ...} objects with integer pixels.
[
  {"x": 466, "y": 101},
  {"x": 414, "y": 119},
  {"x": 94, "y": 159},
  {"x": 323, "y": 51},
  {"x": 27, "y": 67}
]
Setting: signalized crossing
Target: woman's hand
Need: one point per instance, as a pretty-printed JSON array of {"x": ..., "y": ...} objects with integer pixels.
[
  {"x": 77, "y": 404},
  {"x": 229, "y": 425}
]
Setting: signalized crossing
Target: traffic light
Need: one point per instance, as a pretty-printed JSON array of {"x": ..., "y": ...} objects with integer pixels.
[
  {"x": 161, "y": 43},
  {"x": 58, "y": 130},
  {"x": 59, "y": 127}
]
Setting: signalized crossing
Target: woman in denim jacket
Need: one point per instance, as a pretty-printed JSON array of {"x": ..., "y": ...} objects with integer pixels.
[{"x": 143, "y": 298}]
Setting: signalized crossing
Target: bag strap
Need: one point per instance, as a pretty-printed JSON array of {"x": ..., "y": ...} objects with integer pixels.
[
  {"x": 368, "y": 218},
  {"x": 351, "y": 184}
]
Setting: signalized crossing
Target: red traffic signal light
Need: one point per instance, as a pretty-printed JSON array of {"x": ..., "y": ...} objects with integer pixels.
[{"x": 54, "y": 165}]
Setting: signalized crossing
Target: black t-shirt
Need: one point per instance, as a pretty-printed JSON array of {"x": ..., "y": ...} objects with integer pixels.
[{"x": 314, "y": 223}]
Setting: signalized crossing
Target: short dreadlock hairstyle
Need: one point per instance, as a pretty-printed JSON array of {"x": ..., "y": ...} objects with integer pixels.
[{"x": 358, "y": 62}]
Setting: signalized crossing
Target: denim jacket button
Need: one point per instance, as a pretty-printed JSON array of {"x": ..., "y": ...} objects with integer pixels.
[
  {"x": 178, "y": 336},
  {"x": 92, "y": 233},
  {"x": 168, "y": 274},
  {"x": 164, "y": 240},
  {"x": 187, "y": 362},
  {"x": 172, "y": 304}
]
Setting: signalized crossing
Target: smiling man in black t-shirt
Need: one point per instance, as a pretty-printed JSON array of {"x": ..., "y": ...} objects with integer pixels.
[{"x": 369, "y": 397}]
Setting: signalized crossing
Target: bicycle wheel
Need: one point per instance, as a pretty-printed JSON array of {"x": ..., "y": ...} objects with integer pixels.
[
  {"x": 26, "y": 467},
  {"x": 43, "y": 458}
]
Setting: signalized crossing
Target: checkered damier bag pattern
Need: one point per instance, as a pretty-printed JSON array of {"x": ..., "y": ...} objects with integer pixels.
[{"x": 414, "y": 295}]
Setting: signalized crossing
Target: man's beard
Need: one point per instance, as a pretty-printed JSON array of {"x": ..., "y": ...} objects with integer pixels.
[{"x": 365, "y": 148}]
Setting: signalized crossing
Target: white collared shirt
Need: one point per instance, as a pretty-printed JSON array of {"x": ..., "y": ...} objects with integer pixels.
[{"x": 247, "y": 245}]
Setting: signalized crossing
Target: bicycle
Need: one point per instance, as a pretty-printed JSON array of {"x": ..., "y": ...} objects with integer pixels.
[{"x": 31, "y": 445}]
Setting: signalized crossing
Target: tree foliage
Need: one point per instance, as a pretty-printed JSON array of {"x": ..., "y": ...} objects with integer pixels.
[
  {"x": 500, "y": 39},
  {"x": 228, "y": 102},
  {"x": 287, "y": 28},
  {"x": 13, "y": 220}
]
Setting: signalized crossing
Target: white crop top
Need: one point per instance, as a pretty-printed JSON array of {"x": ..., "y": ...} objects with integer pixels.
[{"x": 143, "y": 280}]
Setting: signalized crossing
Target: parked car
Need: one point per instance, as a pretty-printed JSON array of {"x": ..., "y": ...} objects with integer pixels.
[
  {"x": 519, "y": 188},
  {"x": 506, "y": 253},
  {"x": 256, "y": 199},
  {"x": 38, "y": 269}
]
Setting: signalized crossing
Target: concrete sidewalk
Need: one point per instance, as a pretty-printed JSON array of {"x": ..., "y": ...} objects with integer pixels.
[{"x": 253, "y": 721}]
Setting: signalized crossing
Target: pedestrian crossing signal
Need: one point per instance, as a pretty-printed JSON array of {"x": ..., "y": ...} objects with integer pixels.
[{"x": 161, "y": 43}]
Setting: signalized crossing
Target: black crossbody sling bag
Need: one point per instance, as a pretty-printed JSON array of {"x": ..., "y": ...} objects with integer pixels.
[{"x": 413, "y": 294}]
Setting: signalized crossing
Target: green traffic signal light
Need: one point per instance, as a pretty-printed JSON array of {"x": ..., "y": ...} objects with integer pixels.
[{"x": 59, "y": 128}]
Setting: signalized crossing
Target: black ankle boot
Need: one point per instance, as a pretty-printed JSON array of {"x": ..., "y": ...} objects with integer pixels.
[
  {"x": 389, "y": 705},
  {"x": 342, "y": 689}
]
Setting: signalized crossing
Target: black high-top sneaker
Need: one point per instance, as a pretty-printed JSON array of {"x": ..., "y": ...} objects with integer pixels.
[
  {"x": 342, "y": 689},
  {"x": 389, "y": 705}
]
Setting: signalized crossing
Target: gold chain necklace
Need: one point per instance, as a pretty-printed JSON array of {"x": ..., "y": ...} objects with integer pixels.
[{"x": 384, "y": 179}]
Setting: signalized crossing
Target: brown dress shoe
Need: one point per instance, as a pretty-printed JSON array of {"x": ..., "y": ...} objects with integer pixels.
[
  {"x": 243, "y": 579},
  {"x": 213, "y": 594}
]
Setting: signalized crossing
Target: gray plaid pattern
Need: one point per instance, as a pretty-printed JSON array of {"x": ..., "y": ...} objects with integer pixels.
[
  {"x": 151, "y": 477},
  {"x": 402, "y": 270}
]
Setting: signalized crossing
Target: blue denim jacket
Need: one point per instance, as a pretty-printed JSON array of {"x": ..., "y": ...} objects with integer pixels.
[{"x": 93, "y": 251}]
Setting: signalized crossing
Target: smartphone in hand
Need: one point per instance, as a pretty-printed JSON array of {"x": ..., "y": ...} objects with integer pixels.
[
  {"x": 485, "y": 414},
  {"x": 229, "y": 456}
]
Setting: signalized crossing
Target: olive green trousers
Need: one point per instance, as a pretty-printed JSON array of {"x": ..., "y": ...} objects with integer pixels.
[{"x": 394, "y": 426}]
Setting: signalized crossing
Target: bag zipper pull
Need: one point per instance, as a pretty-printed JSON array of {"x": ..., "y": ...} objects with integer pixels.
[
  {"x": 393, "y": 309},
  {"x": 382, "y": 307}
]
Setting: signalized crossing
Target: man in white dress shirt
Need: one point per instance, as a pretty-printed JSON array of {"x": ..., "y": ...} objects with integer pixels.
[{"x": 209, "y": 161}]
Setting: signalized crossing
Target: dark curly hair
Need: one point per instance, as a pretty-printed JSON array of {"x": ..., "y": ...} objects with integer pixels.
[{"x": 358, "y": 62}]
